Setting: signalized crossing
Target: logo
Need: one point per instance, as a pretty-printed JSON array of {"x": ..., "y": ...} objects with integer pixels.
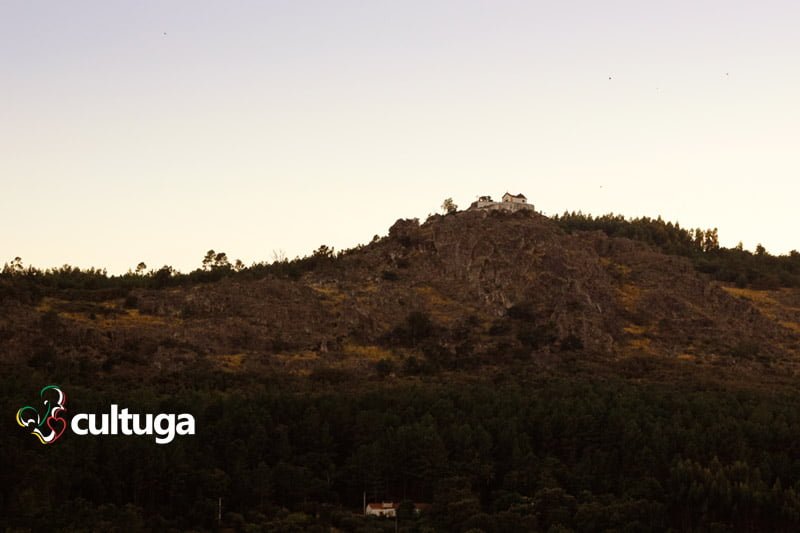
[{"x": 49, "y": 426}]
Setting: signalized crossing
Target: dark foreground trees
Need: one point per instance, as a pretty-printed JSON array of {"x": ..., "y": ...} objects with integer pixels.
[{"x": 564, "y": 454}]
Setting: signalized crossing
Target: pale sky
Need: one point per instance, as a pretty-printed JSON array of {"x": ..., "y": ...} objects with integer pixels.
[{"x": 155, "y": 130}]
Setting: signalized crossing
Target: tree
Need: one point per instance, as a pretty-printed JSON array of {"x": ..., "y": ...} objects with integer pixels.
[
  {"x": 163, "y": 275},
  {"x": 15, "y": 268},
  {"x": 221, "y": 260},
  {"x": 711, "y": 240},
  {"x": 384, "y": 367},
  {"x": 214, "y": 260},
  {"x": 323, "y": 251},
  {"x": 278, "y": 256},
  {"x": 448, "y": 206},
  {"x": 419, "y": 326},
  {"x": 699, "y": 237},
  {"x": 140, "y": 268},
  {"x": 208, "y": 260}
]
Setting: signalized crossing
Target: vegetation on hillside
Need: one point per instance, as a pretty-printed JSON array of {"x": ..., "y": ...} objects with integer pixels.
[
  {"x": 759, "y": 270},
  {"x": 30, "y": 280}
]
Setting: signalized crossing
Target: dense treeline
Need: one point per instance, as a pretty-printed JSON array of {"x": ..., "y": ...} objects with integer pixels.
[
  {"x": 557, "y": 455},
  {"x": 736, "y": 265},
  {"x": 33, "y": 282}
]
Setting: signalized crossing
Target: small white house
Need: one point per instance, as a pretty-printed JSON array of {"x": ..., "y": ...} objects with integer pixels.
[
  {"x": 387, "y": 509},
  {"x": 483, "y": 202},
  {"x": 515, "y": 198}
]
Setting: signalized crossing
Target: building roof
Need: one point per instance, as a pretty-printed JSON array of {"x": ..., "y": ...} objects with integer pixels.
[
  {"x": 382, "y": 505},
  {"x": 520, "y": 195}
]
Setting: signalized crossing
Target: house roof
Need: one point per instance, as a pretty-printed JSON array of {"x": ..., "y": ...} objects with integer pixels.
[
  {"x": 520, "y": 195},
  {"x": 382, "y": 505}
]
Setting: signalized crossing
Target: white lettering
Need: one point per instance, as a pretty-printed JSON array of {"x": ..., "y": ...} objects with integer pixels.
[
  {"x": 113, "y": 418},
  {"x": 94, "y": 429},
  {"x": 76, "y": 420},
  {"x": 124, "y": 417},
  {"x": 147, "y": 429},
  {"x": 185, "y": 424},
  {"x": 165, "y": 426},
  {"x": 165, "y": 434}
]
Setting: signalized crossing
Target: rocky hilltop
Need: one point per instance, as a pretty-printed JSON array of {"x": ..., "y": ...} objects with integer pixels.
[{"x": 463, "y": 291}]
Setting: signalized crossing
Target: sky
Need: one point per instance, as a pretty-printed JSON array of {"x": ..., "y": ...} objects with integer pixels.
[{"x": 153, "y": 131}]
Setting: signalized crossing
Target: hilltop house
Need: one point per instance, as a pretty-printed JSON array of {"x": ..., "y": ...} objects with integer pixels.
[
  {"x": 515, "y": 198},
  {"x": 510, "y": 202}
]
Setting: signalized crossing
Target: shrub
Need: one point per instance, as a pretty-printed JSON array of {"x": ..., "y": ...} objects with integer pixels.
[
  {"x": 384, "y": 367},
  {"x": 131, "y": 302},
  {"x": 535, "y": 337},
  {"x": 571, "y": 342},
  {"x": 388, "y": 275}
]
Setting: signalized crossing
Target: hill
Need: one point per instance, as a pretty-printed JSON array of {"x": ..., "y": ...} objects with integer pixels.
[
  {"x": 516, "y": 372},
  {"x": 470, "y": 289}
]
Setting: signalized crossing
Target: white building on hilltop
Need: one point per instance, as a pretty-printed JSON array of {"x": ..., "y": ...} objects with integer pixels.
[
  {"x": 515, "y": 198},
  {"x": 510, "y": 202}
]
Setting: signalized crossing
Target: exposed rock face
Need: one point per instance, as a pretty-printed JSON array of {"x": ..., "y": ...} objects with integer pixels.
[
  {"x": 490, "y": 282},
  {"x": 606, "y": 292}
]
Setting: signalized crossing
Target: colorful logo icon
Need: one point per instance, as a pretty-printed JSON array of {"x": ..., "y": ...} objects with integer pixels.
[{"x": 47, "y": 427}]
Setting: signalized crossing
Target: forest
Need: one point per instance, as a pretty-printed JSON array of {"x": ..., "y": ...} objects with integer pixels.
[
  {"x": 760, "y": 270},
  {"x": 570, "y": 453}
]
